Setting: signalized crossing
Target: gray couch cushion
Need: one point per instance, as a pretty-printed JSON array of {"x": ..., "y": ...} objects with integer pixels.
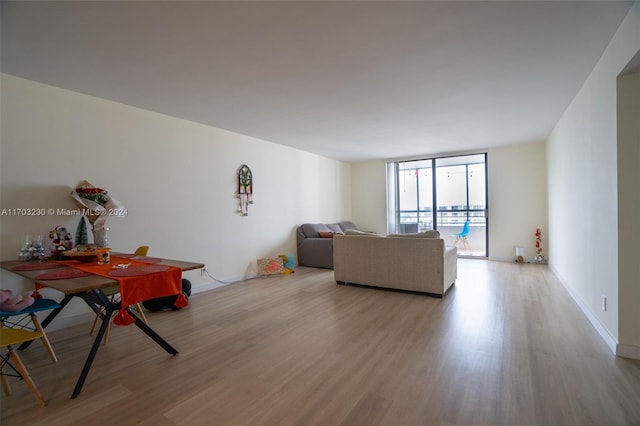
[
  {"x": 347, "y": 225},
  {"x": 336, "y": 228},
  {"x": 432, "y": 233},
  {"x": 311, "y": 230},
  {"x": 363, "y": 233}
]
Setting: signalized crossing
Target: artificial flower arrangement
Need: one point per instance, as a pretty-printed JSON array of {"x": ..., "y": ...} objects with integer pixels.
[
  {"x": 97, "y": 195},
  {"x": 97, "y": 204}
]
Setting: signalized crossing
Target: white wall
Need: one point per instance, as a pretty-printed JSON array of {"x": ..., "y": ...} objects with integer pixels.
[
  {"x": 629, "y": 208},
  {"x": 369, "y": 195},
  {"x": 583, "y": 191},
  {"x": 176, "y": 178},
  {"x": 517, "y": 198}
]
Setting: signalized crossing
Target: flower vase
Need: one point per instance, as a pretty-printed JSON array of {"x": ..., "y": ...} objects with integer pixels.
[{"x": 101, "y": 237}]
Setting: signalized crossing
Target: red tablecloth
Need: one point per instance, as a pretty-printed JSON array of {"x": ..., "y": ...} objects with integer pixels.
[{"x": 138, "y": 282}]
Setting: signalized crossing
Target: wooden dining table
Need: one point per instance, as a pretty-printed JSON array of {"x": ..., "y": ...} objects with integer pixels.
[{"x": 89, "y": 287}]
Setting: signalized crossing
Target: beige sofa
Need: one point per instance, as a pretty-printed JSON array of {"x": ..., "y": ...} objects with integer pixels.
[{"x": 406, "y": 262}]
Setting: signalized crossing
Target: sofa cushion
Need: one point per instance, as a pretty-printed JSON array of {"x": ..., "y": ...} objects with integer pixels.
[
  {"x": 357, "y": 232},
  {"x": 347, "y": 225},
  {"x": 335, "y": 228},
  {"x": 432, "y": 233},
  {"x": 312, "y": 230}
]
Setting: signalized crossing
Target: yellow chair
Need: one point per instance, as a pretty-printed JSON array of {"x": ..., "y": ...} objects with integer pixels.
[
  {"x": 10, "y": 337},
  {"x": 112, "y": 291},
  {"x": 141, "y": 251},
  {"x": 27, "y": 319}
]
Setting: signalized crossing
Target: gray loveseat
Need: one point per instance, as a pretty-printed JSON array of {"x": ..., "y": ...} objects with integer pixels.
[
  {"x": 316, "y": 250},
  {"x": 415, "y": 262}
]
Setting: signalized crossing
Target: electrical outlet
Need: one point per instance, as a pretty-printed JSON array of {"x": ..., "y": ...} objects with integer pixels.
[{"x": 604, "y": 303}]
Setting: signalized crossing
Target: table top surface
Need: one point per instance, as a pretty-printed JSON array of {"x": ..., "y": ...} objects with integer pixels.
[{"x": 85, "y": 283}]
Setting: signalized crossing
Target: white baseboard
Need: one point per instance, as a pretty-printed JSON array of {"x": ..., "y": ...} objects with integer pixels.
[
  {"x": 206, "y": 286},
  {"x": 601, "y": 329},
  {"x": 628, "y": 351},
  {"x": 210, "y": 285},
  {"x": 513, "y": 260}
]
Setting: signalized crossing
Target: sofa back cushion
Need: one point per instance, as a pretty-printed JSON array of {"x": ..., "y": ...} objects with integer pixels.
[
  {"x": 312, "y": 230},
  {"x": 347, "y": 225},
  {"x": 335, "y": 228},
  {"x": 432, "y": 233},
  {"x": 362, "y": 233}
]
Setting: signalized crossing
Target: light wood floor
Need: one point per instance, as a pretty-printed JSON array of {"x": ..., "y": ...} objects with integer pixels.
[{"x": 506, "y": 346}]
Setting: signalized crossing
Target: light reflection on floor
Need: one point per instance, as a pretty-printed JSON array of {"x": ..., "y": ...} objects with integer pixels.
[{"x": 473, "y": 311}]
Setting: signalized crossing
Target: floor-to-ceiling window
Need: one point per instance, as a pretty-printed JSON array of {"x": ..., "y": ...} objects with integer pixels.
[{"x": 448, "y": 194}]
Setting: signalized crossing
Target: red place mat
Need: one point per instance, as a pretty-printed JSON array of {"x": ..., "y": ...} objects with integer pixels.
[
  {"x": 146, "y": 259},
  {"x": 61, "y": 275},
  {"x": 36, "y": 266},
  {"x": 138, "y": 270}
]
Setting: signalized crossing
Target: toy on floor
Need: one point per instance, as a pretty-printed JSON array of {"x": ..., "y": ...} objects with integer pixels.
[
  {"x": 11, "y": 303},
  {"x": 287, "y": 262}
]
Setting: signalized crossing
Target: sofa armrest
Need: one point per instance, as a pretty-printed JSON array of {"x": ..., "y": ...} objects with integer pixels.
[
  {"x": 450, "y": 267},
  {"x": 316, "y": 252}
]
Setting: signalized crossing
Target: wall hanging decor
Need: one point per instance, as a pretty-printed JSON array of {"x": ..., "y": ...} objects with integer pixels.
[{"x": 245, "y": 189}]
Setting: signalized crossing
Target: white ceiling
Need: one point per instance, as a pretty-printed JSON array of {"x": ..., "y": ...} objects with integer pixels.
[{"x": 348, "y": 80}]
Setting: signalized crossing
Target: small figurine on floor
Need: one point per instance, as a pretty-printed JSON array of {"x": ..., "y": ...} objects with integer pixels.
[
  {"x": 539, "y": 258},
  {"x": 11, "y": 303}
]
